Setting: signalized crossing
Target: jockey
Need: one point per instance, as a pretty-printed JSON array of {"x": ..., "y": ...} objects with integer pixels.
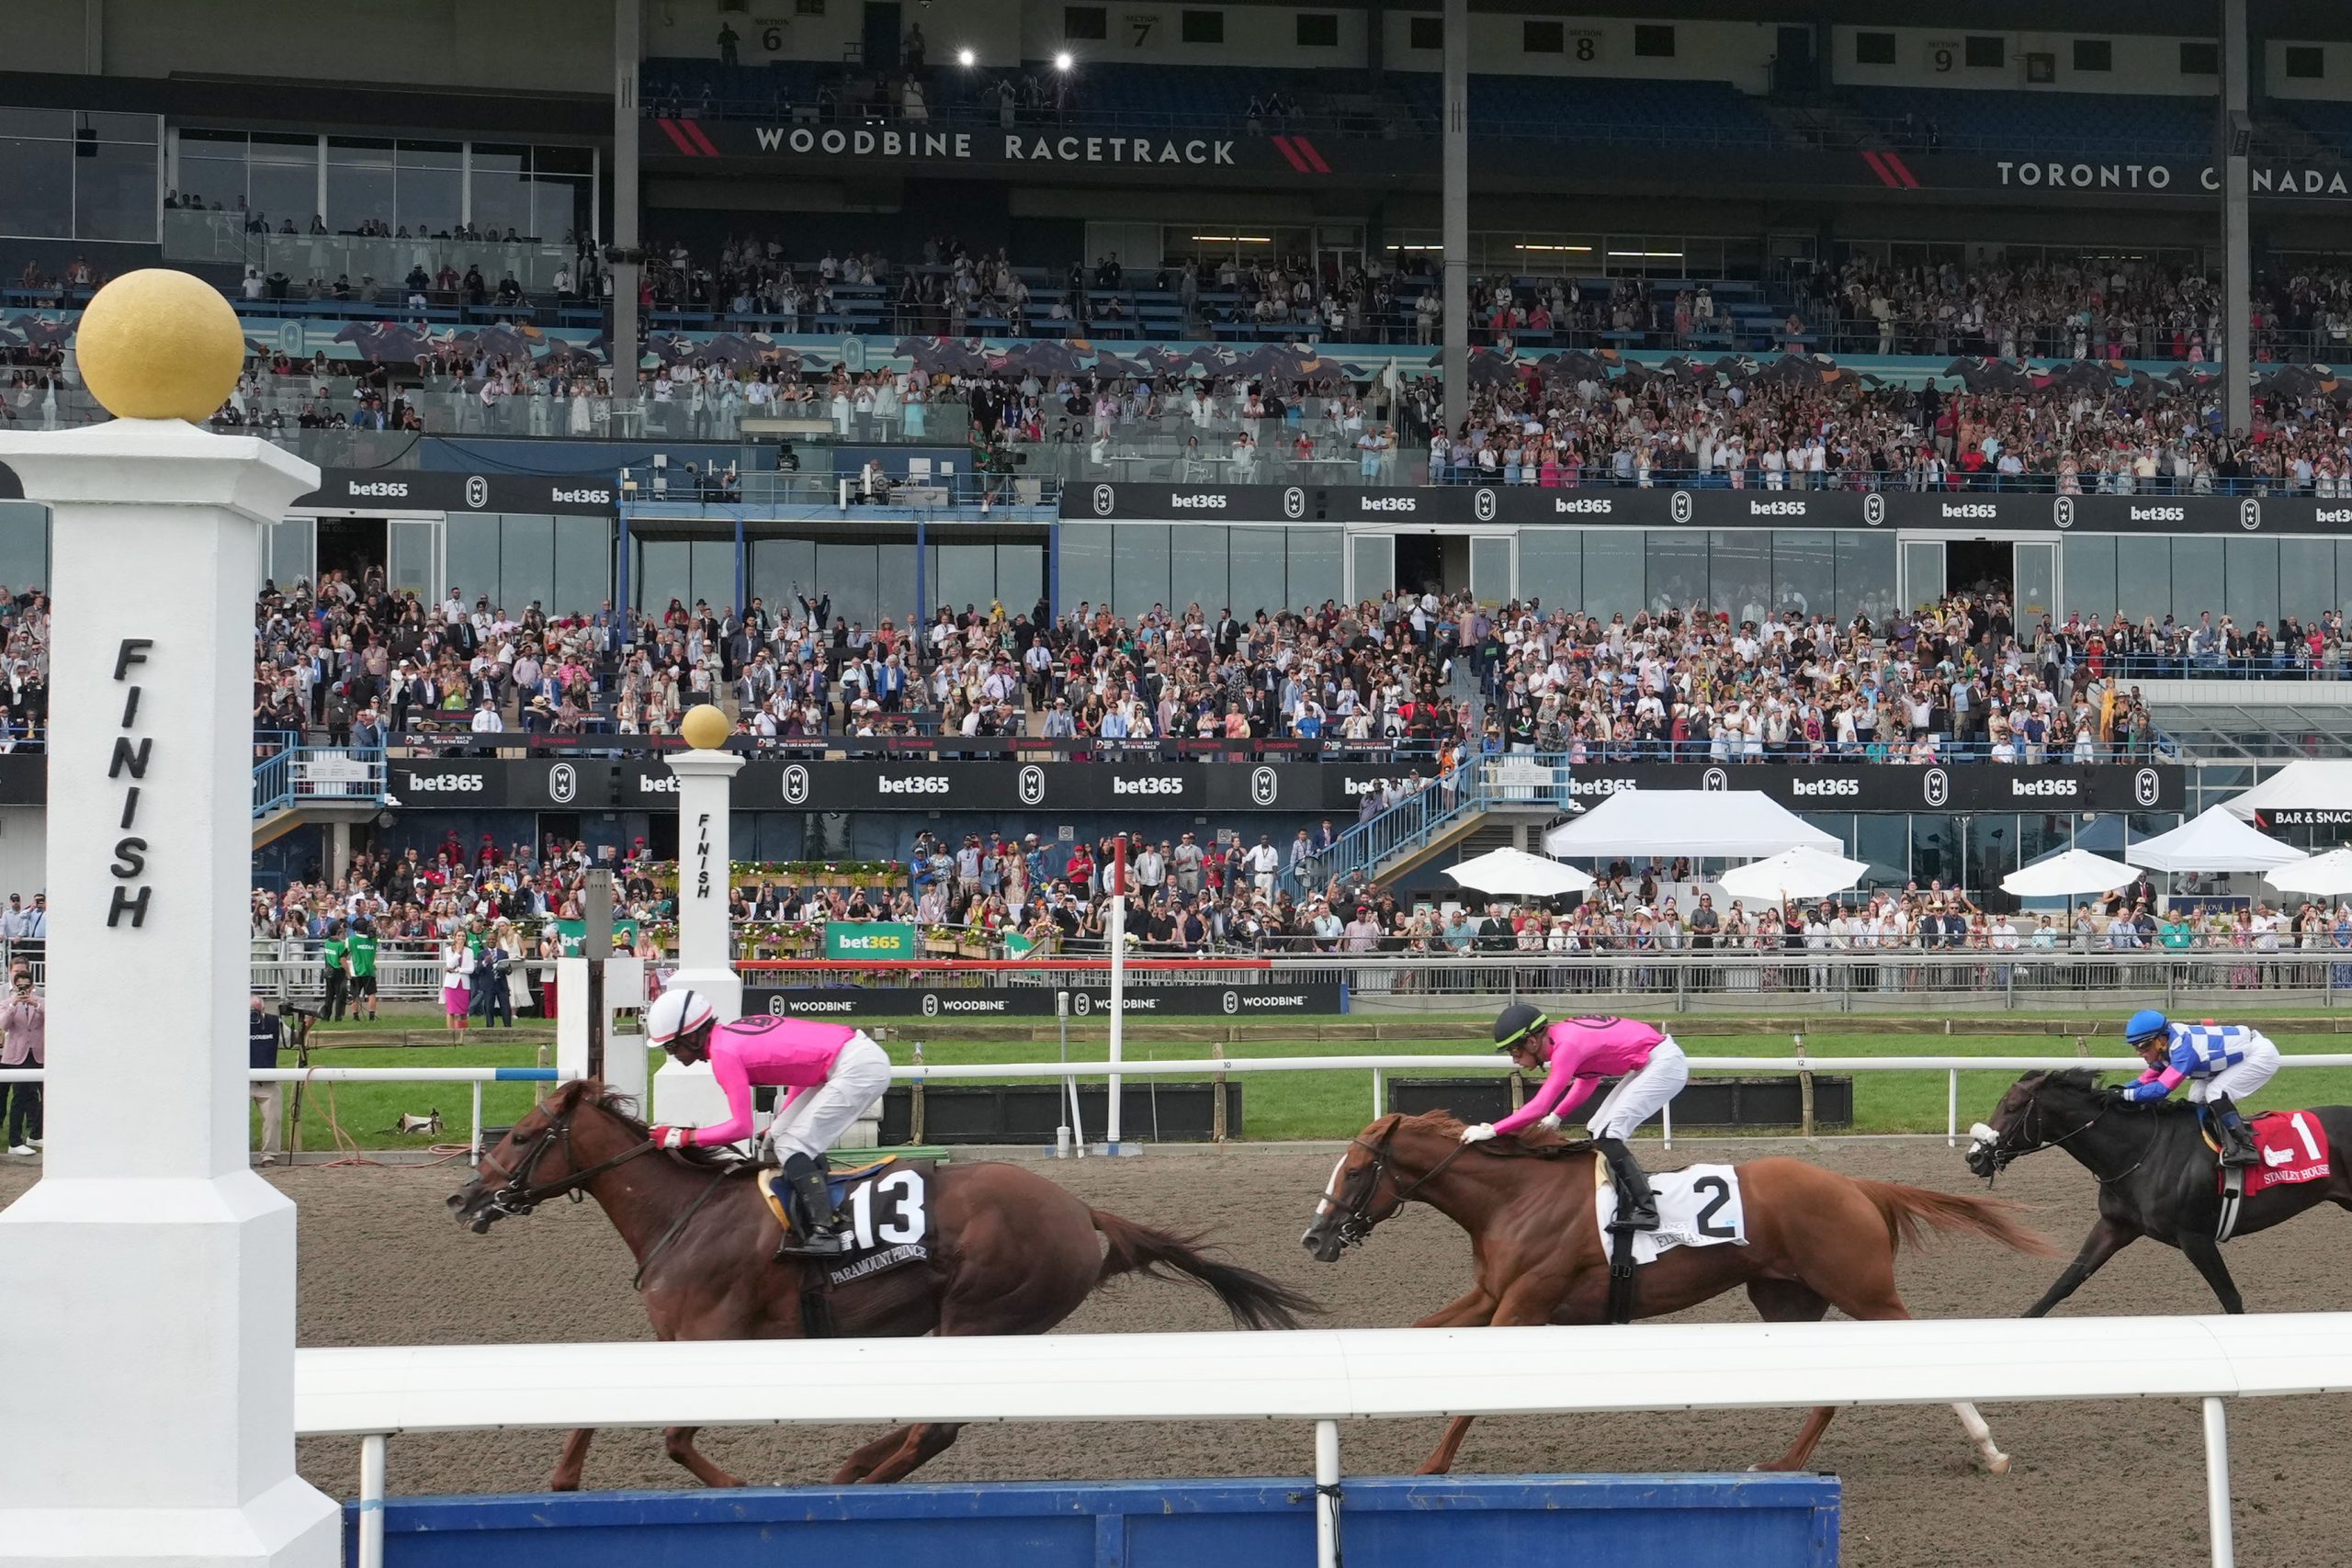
[
  {"x": 1576, "y": 1054},
  {"x": 2222, "y": 1063},
  {"x": 834, "y": 1072}
]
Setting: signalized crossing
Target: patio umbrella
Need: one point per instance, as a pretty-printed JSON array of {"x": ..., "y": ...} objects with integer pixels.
[
  {"x": 1517, "y": 874},
  {"x": 1800, "y": 873},
  {"x": 2065, "y": 875},
  {"x": 2323, "y": 876}
]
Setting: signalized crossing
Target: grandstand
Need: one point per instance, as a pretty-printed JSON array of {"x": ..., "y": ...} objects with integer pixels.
[{"x": 1035, "y": 307}]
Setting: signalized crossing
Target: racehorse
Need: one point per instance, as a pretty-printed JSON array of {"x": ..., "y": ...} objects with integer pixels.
[
  {"x": 1016, "y": 1255},
  {"x": 2156, "y": 1176},
  {"x": 1816, "y": 1239}
]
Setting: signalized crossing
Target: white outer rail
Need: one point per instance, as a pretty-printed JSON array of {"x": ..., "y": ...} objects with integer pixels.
[{"x": 1328, "y": 1376}]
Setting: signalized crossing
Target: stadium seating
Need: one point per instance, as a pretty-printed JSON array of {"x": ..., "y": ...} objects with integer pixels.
[
  {"x": 2020, "y": 121},
  {"x": 1586, "y": 109}
]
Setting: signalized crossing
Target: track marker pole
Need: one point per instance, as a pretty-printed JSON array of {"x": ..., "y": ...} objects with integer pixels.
[{"x": 2217, "y": 1483}]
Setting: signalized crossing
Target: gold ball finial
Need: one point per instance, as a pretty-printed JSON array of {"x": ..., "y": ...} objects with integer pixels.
[
  {"x": 159, "y": 345},
  {"x": 705, "y": 727}
]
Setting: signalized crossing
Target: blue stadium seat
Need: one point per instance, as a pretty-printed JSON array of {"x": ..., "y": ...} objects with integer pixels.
[{"x": 2017, "y": 120}]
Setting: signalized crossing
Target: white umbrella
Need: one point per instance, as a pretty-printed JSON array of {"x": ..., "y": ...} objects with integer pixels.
[
  {"x": 1801, "y": 873},
  {"x": 1517, "y": 874},
  {"x": 2214, "y": 841},
  {"x": 2325, "y": 875},
  {"x": 2063, "y": 876}
]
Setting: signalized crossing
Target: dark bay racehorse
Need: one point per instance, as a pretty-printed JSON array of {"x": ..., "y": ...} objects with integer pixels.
[
  {"x": 1816, "y": 1239},
  {"x": 2157, "y": 1177},
  {"x": 1016, "y": 1255}
]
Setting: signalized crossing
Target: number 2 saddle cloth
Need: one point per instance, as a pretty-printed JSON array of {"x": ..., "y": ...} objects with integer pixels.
[
  {"x": 1697, "y": 1206},
  {"x": 885, "y": 1206}
]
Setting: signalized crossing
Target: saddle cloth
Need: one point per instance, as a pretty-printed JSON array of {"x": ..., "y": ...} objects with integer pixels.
[
  {"x": 884, "y": 1207},
  {"x": 2293, "y": 1146},
  {"x": 1697, "y": 1206}
]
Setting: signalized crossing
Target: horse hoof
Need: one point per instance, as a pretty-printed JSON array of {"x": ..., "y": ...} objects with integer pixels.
[{"x": 1999, "y": 1464}]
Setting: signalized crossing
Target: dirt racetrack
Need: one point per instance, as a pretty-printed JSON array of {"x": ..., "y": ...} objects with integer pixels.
[{"x": 2115, "y": 1483}]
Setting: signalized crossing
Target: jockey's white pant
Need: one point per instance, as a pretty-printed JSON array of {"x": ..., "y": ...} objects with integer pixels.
[
  {"x": 811, "y": 1124},
  {"x": 2243, "y": 1078},
  {"x": 1640, "y": 1095}
]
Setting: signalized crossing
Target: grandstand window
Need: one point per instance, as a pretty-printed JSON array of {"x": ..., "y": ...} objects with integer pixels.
[
  {"x": 2143, "y": 578},
  {"x": 1873, "y": 49},
  {"x": 808, "y": 8},
  {"x": 2306, "y": 62},
  {"x": 2200, "y": 57},
  {"x": 1258, "y": 564},
  {"x": 2094, "y": 54},
  {"x": 2089, "y": 575},
  {"x": 1085, "y": 23},
  {"x": 1654, "y": 40},
  {"x": 1203, "y": 27},
  {"x": 2306, "y": 576},
  {"x": 429, "y": 183},
  {"x": 1317, "y": 569},
  {"x": 74, "y": 175},
  {"x": 1083, "y": 563},
  {"x": 23, "y": 542},
  {"x": 1865, "y": 575},
  {"x": 1986, "y": 51},
  {"x": 2196, "y": 576},
  {"x": 1543, "y": 37},
  {"x": 1613, "y": 567},
  {"x": 1138, "y": 568},
  {"x": 1200, "y": 572},
  {"x": 1805, "y": 572},
  {"x": 1318, "y": 29},
  {"x": 360, "y": 182},
  {"x": 2250, "y": 582},
  {"x": 502, "y": 189},
  {"x": 1425, "y": 32}
]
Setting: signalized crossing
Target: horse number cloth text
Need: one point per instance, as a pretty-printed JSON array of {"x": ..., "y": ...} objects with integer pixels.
[{"x": 888, "y": 1212}]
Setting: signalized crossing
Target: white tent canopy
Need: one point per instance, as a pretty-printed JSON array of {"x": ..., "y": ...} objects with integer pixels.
[
  {"x": 1668, "y": 824},
  {"x": 1516, "y": 874},
  {"x": 2213, "y": 841},
  {"x": 1800, "y": 873},
  {"x": 2066, "y": 874},
  {"x": 2308, "y": 785},
  {"x": 2322, "y": 876}
]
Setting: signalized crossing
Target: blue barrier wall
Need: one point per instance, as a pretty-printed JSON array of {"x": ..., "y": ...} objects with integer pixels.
[{"x": 1626, "y": 1521}]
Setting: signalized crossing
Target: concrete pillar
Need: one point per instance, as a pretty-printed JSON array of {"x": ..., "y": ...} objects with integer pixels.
[
  {"x": 147, "y": 1279},
  {"x": 1455, "y": 200},
  {"x": 686, "y": 1096},
  {"x": 628, "y": 45},
  {"x": 338, "y": 851},
  {"x": 2237, "y": 257}
]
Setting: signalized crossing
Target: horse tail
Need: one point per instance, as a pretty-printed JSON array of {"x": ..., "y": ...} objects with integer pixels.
[
  {"x": 1254, "y": 1301},
  {"x": 1910, "y": 1213}
]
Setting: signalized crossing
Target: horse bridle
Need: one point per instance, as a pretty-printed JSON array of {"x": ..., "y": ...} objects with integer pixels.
[
  {"x": 2005, "y": 1152},
  {"x": 518, "y": 1195},
  {"x": 1356, "y": 1221}
]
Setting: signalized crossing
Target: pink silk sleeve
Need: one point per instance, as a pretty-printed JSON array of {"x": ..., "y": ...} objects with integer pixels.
[
  {"x": 1557, "y": 1088},
  {"x": 736, "y": 1084}
]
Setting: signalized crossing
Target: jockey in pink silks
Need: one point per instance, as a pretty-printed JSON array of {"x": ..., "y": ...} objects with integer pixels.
[
  {"x": 1574, "y": 1054},
  {"x": 835, "y": 1074}
]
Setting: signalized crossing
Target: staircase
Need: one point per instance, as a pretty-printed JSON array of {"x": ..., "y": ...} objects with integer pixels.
[
  {"x": 1484, "y": 804},
  {"x": 299, "y": 786}
]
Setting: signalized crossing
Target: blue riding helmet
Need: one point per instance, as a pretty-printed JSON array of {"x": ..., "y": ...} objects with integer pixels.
[{"x": 2145, "y": 1025}]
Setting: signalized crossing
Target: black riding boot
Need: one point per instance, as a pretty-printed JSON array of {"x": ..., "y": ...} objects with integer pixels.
[
  {"x": 818, "y": 1234},
  {"x": 2237, "y": 1142},
  {"x": 1636, "y": 1204}
]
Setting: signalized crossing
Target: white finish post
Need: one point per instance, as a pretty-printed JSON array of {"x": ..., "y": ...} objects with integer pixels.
[
  {"x": 148, "y": 1287},
  {"x": 1118, "y": 934},
  {"x": 2217, "y": 1485},
  {"x": 371, "y": 1500},
  {"x": 473, "y": 1142},
  {"x": 572, "y": 1018},
  {"x": 1327, "y": 1498},
  {"x": 1951, "y": 1108},
  {"x": 689, "y": 1095},
  {"x": 624, "y": 1065},
  {"x": 1379, "y": 1094},
  {"x": 1665, "y": 1123}
]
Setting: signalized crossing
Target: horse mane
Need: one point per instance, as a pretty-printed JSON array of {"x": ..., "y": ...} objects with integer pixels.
[
  {"x": 2085, "y": 1080},
  {"x": 592, "y": 1094},
  {"x": 1535, "y": 1143}
]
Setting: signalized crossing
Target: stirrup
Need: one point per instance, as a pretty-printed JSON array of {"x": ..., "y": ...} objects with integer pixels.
[{"x": 823, "y": 1244}]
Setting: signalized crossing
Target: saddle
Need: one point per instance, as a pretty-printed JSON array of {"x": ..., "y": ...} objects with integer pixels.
[{"x": 778, "y": 1192}]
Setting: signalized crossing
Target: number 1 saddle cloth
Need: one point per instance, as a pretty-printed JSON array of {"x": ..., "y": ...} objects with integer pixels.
[
  {"x": 2293, "y": 1144},
  {"x": 1697, "y": 1206}
]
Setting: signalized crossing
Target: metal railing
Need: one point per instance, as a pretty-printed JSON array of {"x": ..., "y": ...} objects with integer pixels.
[
  {"x": 295, "y": 776},
  {"x": 1478, "y": 784}
]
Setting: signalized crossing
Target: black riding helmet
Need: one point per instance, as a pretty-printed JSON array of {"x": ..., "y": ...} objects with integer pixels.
[{"x": 1516, "y": 1023}]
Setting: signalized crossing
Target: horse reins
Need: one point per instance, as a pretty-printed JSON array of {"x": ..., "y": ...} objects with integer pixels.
[
  {"x": 1356, "y": 1221},
  {"x": 519, "y": 1196},
  {"x": 2034, "y": 1113}
]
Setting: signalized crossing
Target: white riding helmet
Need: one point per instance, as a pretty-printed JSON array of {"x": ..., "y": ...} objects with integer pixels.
[{"x": 677, "y": 1011}]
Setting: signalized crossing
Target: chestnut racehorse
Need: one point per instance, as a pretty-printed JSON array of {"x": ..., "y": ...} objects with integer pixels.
[
  {"x": 1016, "y": 1255},
  {"x": 1816, "y": 1239}
]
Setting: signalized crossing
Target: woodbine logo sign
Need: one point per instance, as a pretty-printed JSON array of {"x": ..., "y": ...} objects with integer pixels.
[{"x": 1007, "y": 147}]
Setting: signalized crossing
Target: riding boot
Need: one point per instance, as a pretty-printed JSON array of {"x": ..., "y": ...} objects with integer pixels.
[
  {"x": 2237, "y": 1142},
  {"x": 1636, "y": 1204},
  {"x": 818, "y": 1232}
]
